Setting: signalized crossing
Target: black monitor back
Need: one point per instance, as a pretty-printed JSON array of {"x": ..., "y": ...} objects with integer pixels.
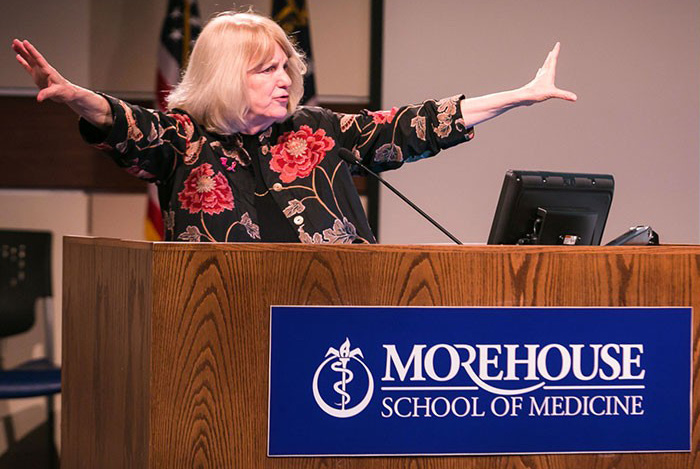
[{"x": 541, "y": 207}]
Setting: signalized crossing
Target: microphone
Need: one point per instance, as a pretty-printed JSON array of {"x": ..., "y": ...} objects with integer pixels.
[{"x": 347, "y": 156}]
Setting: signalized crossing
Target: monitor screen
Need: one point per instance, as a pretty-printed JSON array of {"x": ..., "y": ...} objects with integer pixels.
[{"x": 539, "y": 207}]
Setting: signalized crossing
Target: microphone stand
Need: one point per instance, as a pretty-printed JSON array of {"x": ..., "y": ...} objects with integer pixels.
[{"x": 347, "y": 156}]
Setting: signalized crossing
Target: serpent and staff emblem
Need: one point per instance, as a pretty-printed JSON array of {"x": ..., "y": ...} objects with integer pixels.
[{"x": 339, "y": 361}]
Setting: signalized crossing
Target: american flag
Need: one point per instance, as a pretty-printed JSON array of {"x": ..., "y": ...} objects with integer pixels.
[{"x": 181, "y": 27}]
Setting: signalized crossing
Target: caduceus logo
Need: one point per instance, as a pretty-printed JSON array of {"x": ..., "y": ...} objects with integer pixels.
[{"x": 339, "y": 361}]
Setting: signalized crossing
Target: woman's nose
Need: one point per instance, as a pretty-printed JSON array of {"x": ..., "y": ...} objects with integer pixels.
[{"x": 284, "y": 81}]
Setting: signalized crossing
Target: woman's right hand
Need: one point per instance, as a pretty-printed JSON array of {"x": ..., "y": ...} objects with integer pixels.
[
  {"x": 87, "y": 104},
  {"x": 51, "y": 84}
]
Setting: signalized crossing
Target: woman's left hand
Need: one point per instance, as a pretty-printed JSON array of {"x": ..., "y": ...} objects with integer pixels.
[{"x": 542, "y": 87}]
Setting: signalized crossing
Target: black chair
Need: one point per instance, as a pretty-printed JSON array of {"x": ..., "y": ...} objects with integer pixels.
[{"x": 25, "y": 283}]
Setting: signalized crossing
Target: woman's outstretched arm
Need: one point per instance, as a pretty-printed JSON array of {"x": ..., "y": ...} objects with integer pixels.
[{"x": 52, "y": 85}]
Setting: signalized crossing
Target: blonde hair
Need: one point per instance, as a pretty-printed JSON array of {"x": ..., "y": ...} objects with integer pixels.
[{"x": 214, "y": 87}]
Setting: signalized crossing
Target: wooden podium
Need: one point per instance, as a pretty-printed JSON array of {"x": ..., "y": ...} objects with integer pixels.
[{"x": 165, "y": 345}]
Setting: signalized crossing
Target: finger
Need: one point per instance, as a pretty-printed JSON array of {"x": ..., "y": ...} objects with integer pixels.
[
  {"x": 46, "y": 93},
  {"x": 556, "y": 48},
  {"x": 567, "y": 95},
  {"x": 546, "y": 60},
  {"x": 42, "y": 95},
  {"x": 23, "y": 63},
  {"x": 36, "y": 55},
  {"x": 19, "y": 48},
  {"x": 16, "y": 45},
  {"x": 553, "y": 56},
  {"x": 551, "y": 60}
]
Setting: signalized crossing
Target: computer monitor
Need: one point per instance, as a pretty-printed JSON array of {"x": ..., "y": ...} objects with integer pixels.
[{"x": 539, "y": 207}]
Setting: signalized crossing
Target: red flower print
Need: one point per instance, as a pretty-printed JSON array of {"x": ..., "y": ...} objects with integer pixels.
[
  {"x": 206, "y": 192},
  {"x": 383, "y": 117},
  {"x": 298, "y": 153}
]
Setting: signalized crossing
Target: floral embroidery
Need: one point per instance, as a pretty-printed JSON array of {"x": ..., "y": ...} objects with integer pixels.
[
  {"x": 241, "y": 153},
  {"x": 461, "y": 126},
  {"x": 191, "y": 235},
  {"x": 265, "y": 135},
  {"x": 185, "y": 124},
  {"x": 251, "y": 228},
  {"x": 298, "y": 153},
  {"x": 154, "y": 136},
  {"x": 446, "y": 108},
  {"x": 442, "y": 130},
  {"x": 294, "y": 207},
  {"x": 418, "y": 123},
  {"x": 193, "y": 150},
  {"x": 169, "y": 220},
  {"x": 346, "y": 121},
  {"x": 235, "y": 154},
  {"x": 185, "y": 128},
  {"x": 172, "y": 149},
  {"x": 305, "y": 238},
  {"x": 343, "y": 232},
  {"x": 206, "y": 192},
  {"x": 383, "y": 117},
  {"x": 133, "y": 132},
  {"x": 387, "y": 153}
]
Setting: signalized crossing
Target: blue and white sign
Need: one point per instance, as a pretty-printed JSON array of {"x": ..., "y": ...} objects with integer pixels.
[{"x": 443, "y": 380}]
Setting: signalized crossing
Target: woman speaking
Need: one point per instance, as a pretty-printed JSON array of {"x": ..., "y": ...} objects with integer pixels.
[{"x": 236, "y": 159}]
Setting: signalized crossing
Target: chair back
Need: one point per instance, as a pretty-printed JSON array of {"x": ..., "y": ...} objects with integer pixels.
[{"x": 25, "y": 276}]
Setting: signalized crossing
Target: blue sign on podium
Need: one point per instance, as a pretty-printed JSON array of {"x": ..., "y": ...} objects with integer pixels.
[{"x": 360, "y": 381}]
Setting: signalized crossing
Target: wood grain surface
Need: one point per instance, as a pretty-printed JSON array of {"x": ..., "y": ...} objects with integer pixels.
[
  {"x": 166, "y": 344},
  {"x": 106, "y": 350}
]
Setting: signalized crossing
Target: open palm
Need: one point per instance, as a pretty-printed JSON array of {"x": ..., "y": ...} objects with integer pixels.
[
  {"x": 542, "y": 87},
  {"x": 51, "y": 84}
]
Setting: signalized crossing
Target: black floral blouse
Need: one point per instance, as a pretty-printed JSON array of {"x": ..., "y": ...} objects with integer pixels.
[{"x": 207, "y": 182}]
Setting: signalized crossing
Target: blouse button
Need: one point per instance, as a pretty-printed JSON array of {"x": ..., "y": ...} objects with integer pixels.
[
  {"x": 298, "y": 220},
  {"x": 277, "y": 187}
]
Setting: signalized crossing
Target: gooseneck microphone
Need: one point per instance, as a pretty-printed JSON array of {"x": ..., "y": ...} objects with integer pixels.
[{"x": 347, "y": 156}]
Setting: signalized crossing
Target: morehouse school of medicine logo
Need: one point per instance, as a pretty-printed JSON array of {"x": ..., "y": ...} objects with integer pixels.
[
  {"x": 341, "y": 367},
  {"x": 343, "y": 385},
  {"x": 381, "y": 381}
]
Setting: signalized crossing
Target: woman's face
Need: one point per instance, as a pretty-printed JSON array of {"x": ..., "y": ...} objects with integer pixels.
[{"x": 268, "y": 92}]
